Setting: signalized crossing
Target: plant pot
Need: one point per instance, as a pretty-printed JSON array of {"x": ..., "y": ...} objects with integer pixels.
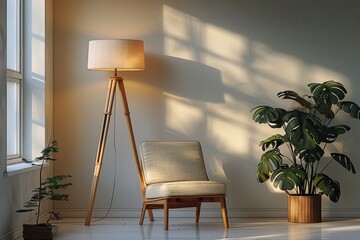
[
  {"x": 304, "y": 209},
  {"x": 41, "y": 231}
]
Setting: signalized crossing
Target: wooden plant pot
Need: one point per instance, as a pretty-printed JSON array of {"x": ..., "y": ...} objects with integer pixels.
[
  {"x": 304, "y": 209},
  {"x": 41, "y": 231}
]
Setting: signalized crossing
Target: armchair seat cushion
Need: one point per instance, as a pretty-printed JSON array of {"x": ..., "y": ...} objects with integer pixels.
[{"x": 185, "y": 188}]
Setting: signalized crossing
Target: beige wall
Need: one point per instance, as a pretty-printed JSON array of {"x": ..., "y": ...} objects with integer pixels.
[{"x": 208, "y": 63}]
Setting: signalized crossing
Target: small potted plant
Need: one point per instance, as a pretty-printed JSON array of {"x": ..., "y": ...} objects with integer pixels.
[
  {"x": 47, "y": 189},
  {"x": 295, "y": 160}
]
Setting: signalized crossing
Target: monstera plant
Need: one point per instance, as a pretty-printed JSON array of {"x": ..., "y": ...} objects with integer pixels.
[{"x": 295, "y": 160}]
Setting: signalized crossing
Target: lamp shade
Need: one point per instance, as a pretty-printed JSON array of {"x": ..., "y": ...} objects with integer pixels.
[{"x": 119, "y": 54}]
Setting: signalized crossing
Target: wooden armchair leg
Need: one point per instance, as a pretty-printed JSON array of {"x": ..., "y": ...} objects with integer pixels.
[
  {"x": 224, "y": 212},
  {"x": 166, "y": 215},
  {"x": 197, "y": 214},
  {"x": 143, "y": 210},
  {"x": 150, "y": 215}
]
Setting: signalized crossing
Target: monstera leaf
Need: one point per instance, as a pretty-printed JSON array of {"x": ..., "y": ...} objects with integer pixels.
[
  {"x": 262, "y": 173},
  {"x": 329, "y": 187},
  {"x": 269, "y": 115},
  {"x": 344, "y": 161},
  {"x": 302, "y": 130},
  {"x": 308, "y": 132},
  {"x": 350, "y": 107},
  {"x": 275, "y": 141},
  {"x": 294, "y": 96},
  {"x": 330, "y": 134},
  {"x": 329, "y": 92},
  {"x": 325, "y": 110},
  {"x": 287, "y": 178},
  {"x": 270, "y": 160},
  {"x": 312, "y": 155}
]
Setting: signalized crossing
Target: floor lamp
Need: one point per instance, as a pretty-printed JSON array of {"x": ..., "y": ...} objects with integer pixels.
[{"x": 113, "y": 55}]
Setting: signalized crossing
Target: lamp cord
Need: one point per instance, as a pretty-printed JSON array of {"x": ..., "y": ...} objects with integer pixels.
[{"x": 115, "y": 171}]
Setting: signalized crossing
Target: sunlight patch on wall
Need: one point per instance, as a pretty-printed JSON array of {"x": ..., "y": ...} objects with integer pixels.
[
  {"x": 179, "y": 50},
  {"x": 335, "y": 147},
  {"x": 34, "y": 78},
  {"x": 189, "y": 38},
  {"x": 38, "y": 139},
  {"x": 182, "y": 116},
  {"x": 178, "y": 24},
  {"x": 269, "y": 62},
  {"x": 318, "y": 73},
  {"x": 38, "y": 17},
  {"x": 180, "y": 30},
  {"x": 232, "y": 73},
  {"x": 38, "y": 57},
  {"x": 38, "y": 37},
  {"x": 224, "y": 44},
  {"x": 217, "y": 169},
  {"x": 224, "y": 130},
  {"x": 251, "y": 73},
  {"x": 271, "y": 188}
]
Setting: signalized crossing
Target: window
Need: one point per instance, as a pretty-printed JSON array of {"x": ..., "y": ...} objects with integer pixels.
[{"x": 14, "y": 79}]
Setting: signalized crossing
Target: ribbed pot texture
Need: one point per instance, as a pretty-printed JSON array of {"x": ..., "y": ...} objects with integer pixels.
[{"x": 304, "y": 209}]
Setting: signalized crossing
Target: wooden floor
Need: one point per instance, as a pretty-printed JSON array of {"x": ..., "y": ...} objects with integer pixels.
[{"x": 209, "y": 228}]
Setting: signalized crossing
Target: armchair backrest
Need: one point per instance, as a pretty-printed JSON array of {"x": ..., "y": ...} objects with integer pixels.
[{"x": 172, "y": 161}]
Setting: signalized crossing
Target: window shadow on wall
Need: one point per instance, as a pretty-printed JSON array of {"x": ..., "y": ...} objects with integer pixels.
[{"x": 256, "y": 49}]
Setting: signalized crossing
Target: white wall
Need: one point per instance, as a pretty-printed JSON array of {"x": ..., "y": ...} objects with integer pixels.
[
  {"x": 16, "y": 189},
  {"x": 208, "y": 63}
]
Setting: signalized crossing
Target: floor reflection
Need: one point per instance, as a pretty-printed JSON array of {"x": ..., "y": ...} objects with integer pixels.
[{"x": 209, "y": 228}]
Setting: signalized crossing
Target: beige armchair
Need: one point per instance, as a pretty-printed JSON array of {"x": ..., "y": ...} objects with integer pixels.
[{"x": 174, "y": 176}]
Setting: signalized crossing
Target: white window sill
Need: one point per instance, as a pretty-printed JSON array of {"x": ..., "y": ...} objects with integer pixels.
[{"x": 18, "y": 168}]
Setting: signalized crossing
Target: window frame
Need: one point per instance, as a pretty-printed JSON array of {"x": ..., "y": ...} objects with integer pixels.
[{"x": 18, "y": 77}]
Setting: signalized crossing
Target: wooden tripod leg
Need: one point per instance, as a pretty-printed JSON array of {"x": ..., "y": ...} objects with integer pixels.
[
  {"x": 131, "y": 135},
  {"x": 133, "y": 144},
  {"x": 101, "y": 147}
]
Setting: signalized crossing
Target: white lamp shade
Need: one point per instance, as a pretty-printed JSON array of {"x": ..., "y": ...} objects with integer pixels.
[{"x": 119, "y": 54}]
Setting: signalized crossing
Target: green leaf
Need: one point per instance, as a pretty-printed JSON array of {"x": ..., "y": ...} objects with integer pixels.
[
  {"x": 312, "y": 155},
  {"x": 59, "y": 197},
  {"x": 59, "y": 186},
  {"x": 287, "y": 178},
  {"x": 270, "y": 160},
  {"x": 46, "y": 152},
  {"x": 294, "y": 96},
  {"x": 329, "y": 187},
  {"x": 330, "y": 134},
  {"x": 325, "y": 110},
  {"x": 262, "y": 174},
  {"x": 269, "y": 115},
  {"x": 302, "y": 130},
  {"x": 275, "y": 141},
  {"x": 344, "y": 161},
  {"x": 24, "y": 210},
  {"x": 329, "y": 92},
  {"x": 350, "y": 107}
]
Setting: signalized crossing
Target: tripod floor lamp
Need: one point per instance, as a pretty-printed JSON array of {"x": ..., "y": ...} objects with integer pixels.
[{"x": 113, "y": 55}]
